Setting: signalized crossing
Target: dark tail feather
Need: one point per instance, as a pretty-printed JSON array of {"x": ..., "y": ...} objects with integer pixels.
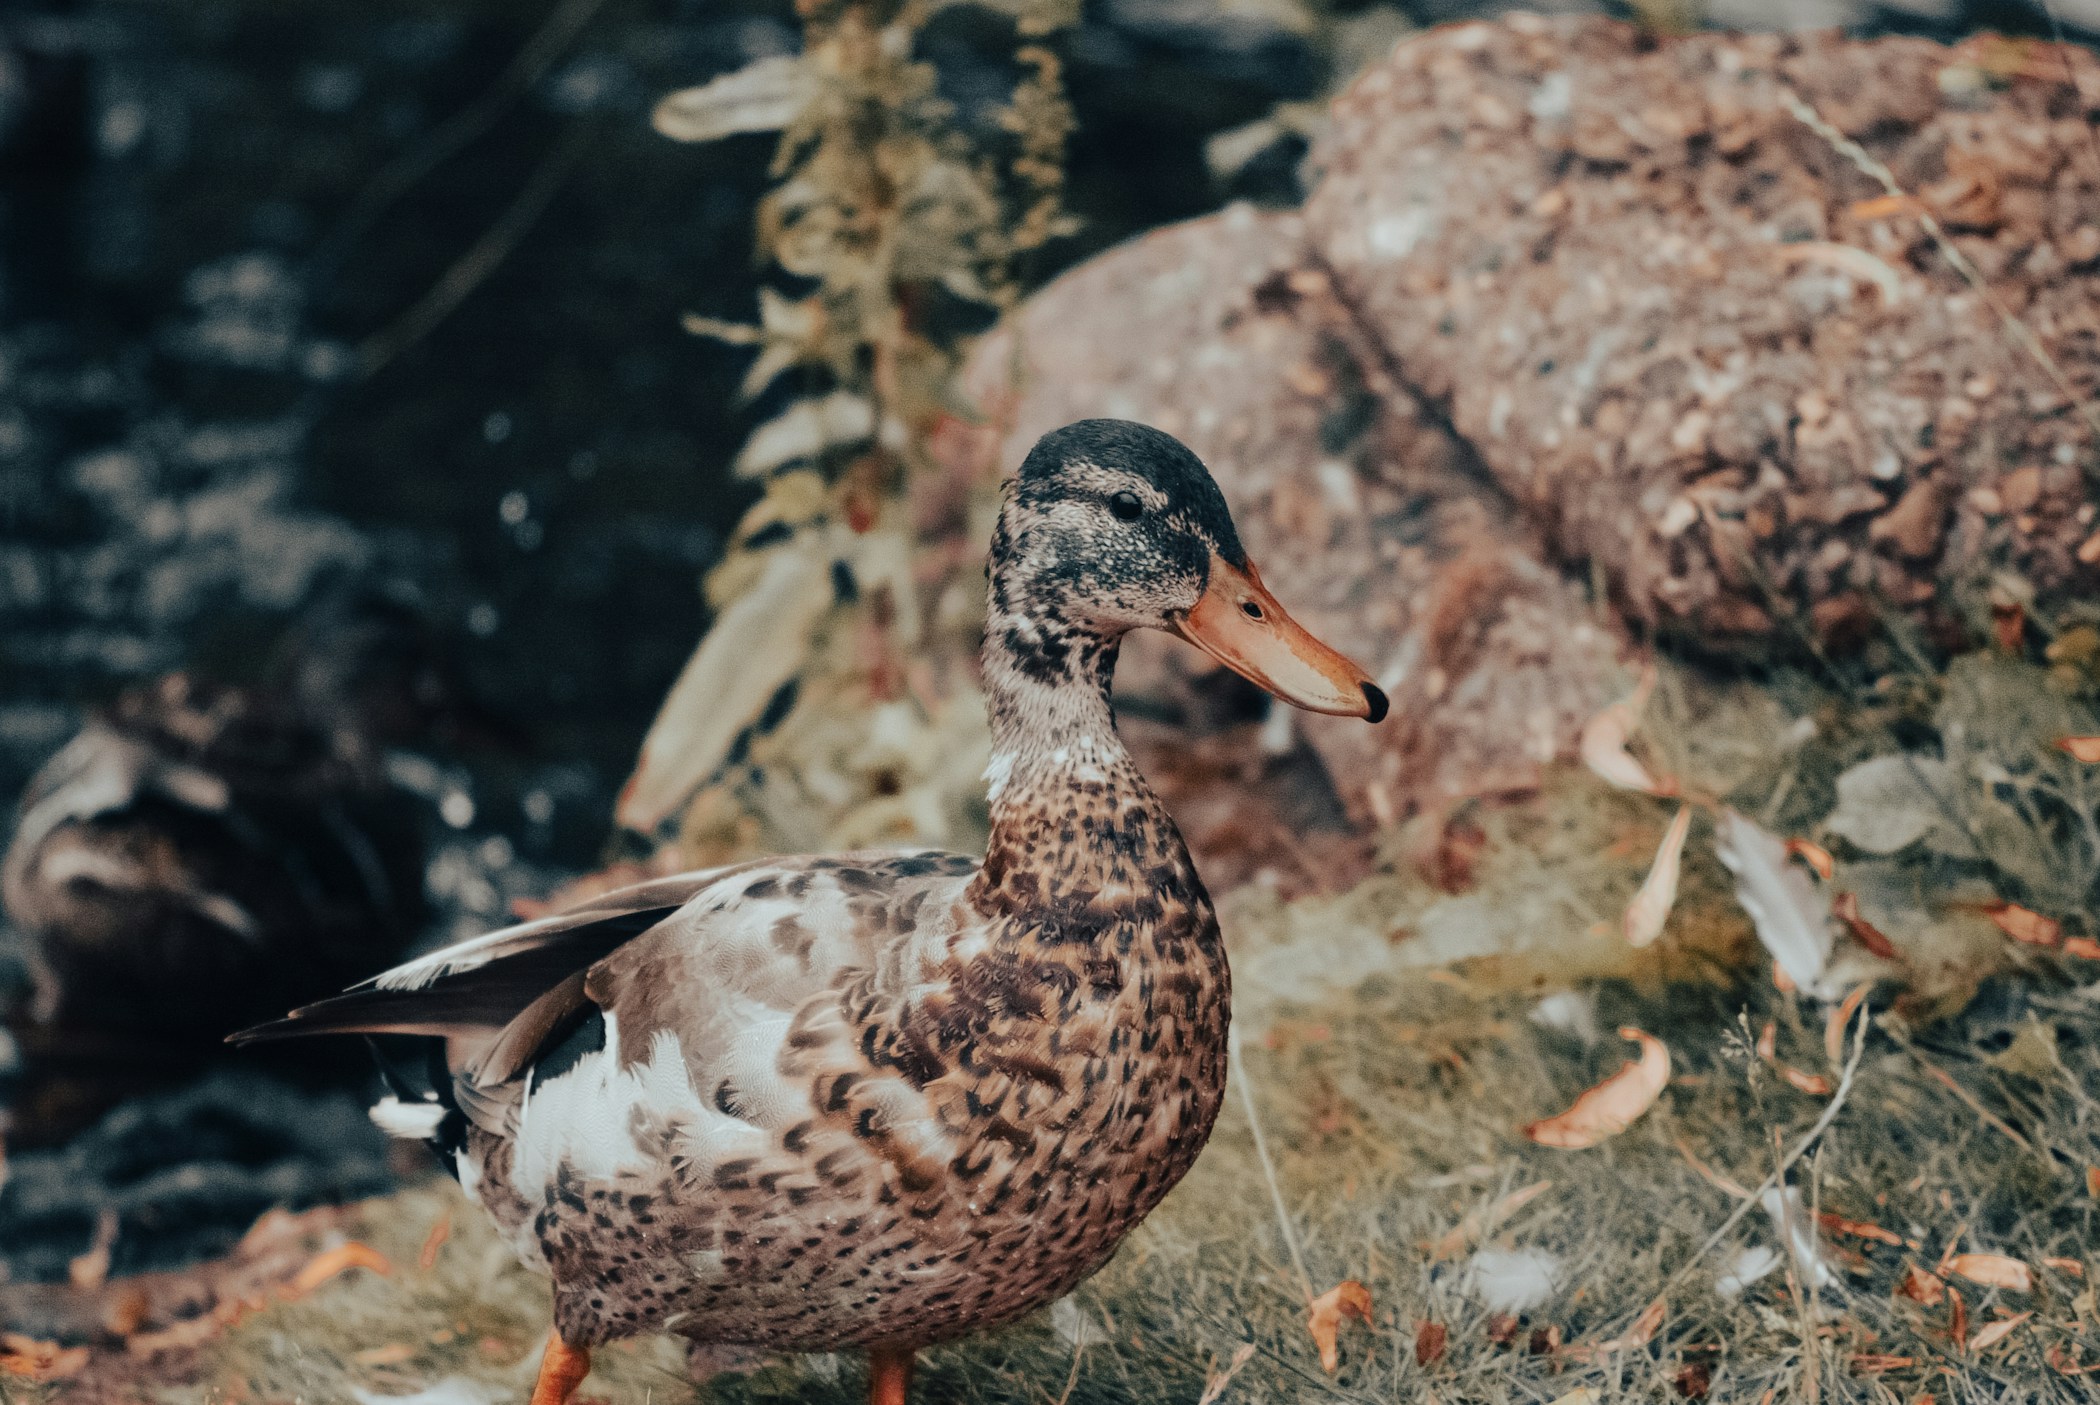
[{"x": 478, "y": 1001}]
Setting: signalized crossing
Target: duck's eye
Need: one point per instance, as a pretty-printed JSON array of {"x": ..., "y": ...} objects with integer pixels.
[
  {"x": 1126, "y": 507},
  {"x": 1250, "y": 609}
]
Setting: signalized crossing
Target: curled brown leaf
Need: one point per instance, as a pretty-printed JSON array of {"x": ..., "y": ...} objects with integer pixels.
[
  {"x": 1650, "y": 908},
  {"x": 330, "y": 1262},
  {"x": 1921, "y": 1286},
  {"x": 1613, "y": 1105},
  {"x": 2024, "y": 924},
  {"x": 1323, "y": 1319},
  {"x": 1993, "y": 1271},
  {"x": 1841, "y": 1020},
  {"x": 1604, "y": 738},
  {"x": 1845, "y": 907},
  {"x": 1993, "y": 1333},
  {"x": 1814, "y": 855}
]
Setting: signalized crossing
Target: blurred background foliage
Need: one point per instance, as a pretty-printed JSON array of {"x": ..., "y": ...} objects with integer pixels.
[{"x": 225, "y": 227}]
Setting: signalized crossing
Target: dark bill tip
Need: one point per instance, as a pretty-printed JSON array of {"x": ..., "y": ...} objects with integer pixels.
[{"x": 1374, "y": 697}]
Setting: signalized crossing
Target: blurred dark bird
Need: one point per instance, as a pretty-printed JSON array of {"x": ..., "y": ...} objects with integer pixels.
[
  {"x": 881, "y": 1099},
  {"x": 201, "y": 852}
]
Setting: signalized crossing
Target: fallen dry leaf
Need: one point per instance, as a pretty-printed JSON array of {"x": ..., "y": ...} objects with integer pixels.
[
  {"x": 1814, "y": 855},
  {"x": 1323, "y": 1319},
  {"x": 1993, "y": 1271},
  {"x": 1858, "y": 1230},
  {"x": 1921, "y": 1286},
  {"x": 330, "y": 1262},
  {"x": 1990, "y": 1335},
  {"x": 1872, "y": 1364},
  {"x": 1502, "y": 1327},
  {"x": 1650, "y": 908},
  {"x": 1813, "y": 1084},
  {"x": 1693, "y": 1380},
  {"x": 1845, "y": 907},
  {"x": 2024, "y": 925},
  {"x": 1604, "y": 738},
  {"x": 1839, "y": 1021},
  {"x": 392, "y": 1354},
  {"x": 1633, "y": 1338},
  {"x": 1613, "y": 1105},
  {"x": 2092, "y": 1181},
  {"x": 1430, "y": 1340},
  {"x": 2064, "y": 1364},
  {"x": 1882, "y": 207},
  {"x": 1642, "y": 1331},
  {"x": 2086, "y": 749},
  {"x": 427, "y": 1256},
  {"x": 1214, "y": 1385},
  {"x": 1478, "y": 1224},
  {"x": 1957, "y": 1319},
  {"x": 2082, "y": 946},
  {"x": 2071, "y": 1266}
]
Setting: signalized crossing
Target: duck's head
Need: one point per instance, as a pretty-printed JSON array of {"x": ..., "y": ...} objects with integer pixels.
[{"x": 1113, "y": 526}]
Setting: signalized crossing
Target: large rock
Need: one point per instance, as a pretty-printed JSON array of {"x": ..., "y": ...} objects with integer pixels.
[
  {"x": 1566, "y": 299},
  {"x": 1701, "y": 349},
  {"x": 1369, "y": 521}
]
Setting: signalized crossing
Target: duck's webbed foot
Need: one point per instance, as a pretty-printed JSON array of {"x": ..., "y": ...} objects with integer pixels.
[{"x": 562, "y": 1369}]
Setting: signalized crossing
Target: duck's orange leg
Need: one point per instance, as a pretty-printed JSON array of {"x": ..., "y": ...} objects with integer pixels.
[
  {"x": 889, "y": 1375},
  {"x": 562, "y": 1369}
]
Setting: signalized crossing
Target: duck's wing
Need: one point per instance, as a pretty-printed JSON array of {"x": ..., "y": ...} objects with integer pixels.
[
  {"x": 702, "y": 1040},
  {"x": 474, "y": 989}
]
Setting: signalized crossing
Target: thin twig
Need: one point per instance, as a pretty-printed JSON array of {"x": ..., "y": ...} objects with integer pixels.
[
  {"x": 1707, "y": 1173},
  {"x": 1261, "y": 1152},
  {"x": 1811, "y": 1287},
  {"x": 1078, "y": 1352},
  {"x": 1970, "y": 1100},
  {"x": 394, "y": 180},
  {"x": 2020, "y": 333},
  {"x": 1822, "y": 1125},
  {"x": 478, "y": 262}
]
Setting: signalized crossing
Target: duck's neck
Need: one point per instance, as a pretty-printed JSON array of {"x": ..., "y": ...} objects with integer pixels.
[{"x": 1075, "y": 830}]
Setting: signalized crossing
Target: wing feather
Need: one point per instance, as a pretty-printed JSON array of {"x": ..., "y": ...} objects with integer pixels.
[{"x": 479, "y": 986}]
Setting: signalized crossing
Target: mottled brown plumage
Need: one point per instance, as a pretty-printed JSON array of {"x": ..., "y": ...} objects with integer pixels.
[{"x": 882, "y": 1100}]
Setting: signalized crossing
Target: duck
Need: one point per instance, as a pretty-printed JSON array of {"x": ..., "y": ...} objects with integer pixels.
[
  {"x": 878, "y": 1101},
  {"x": 198, "y": 855}
]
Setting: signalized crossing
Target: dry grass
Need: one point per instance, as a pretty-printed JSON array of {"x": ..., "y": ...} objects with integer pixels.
[
  {"x": 1391, "y": 1108},
  {"x": 1392, "y": 1054}
]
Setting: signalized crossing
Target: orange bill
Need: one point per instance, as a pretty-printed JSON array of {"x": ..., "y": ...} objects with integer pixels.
[{"x": 1238, "y": 623}]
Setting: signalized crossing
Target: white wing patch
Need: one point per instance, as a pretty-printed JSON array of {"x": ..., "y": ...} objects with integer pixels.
[
  {"x": 584, "y": 1120},
  {"x": 414, "y": 1122}
]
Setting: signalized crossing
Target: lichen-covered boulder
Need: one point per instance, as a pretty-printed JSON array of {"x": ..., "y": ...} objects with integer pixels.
[{"x": 1655, "y": 288}]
